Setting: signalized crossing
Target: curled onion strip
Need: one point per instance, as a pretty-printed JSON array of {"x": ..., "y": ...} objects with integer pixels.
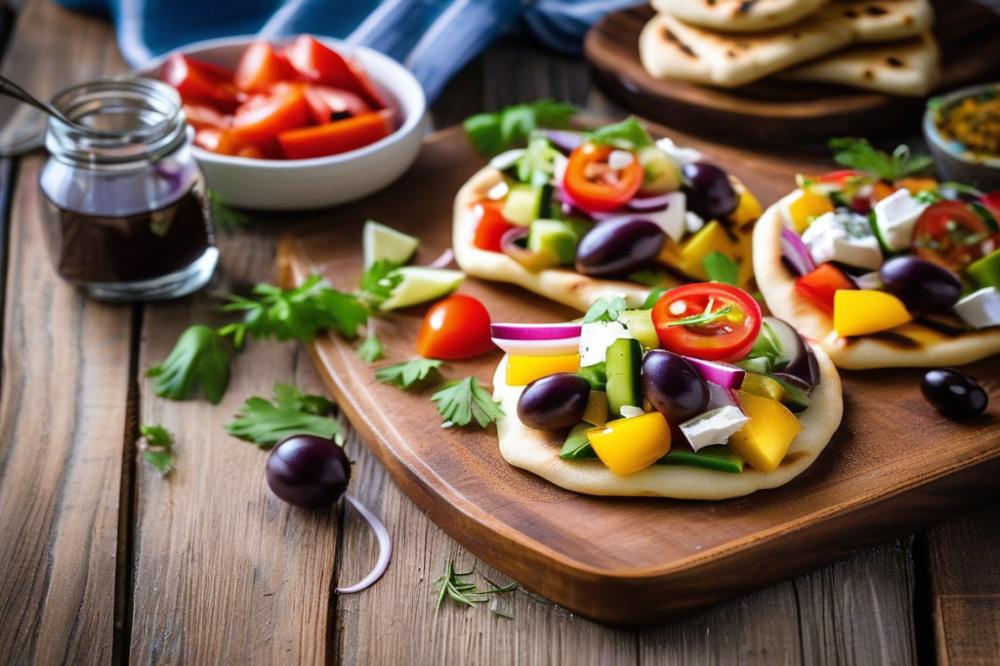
[{"x": 384, "y": 548}]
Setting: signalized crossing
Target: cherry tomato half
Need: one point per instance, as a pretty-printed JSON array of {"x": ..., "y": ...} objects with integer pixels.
[
  {"x": 457, "y": 327},
  {"x": 491, "y": 225},
  {"x": 261, "y": 119},
  {"x": 201, "y": 82},
  {"x": 725, "y": 337},
  {"x": 260, "y": 67},
  {"x": 953, "y": 235},
  {"x": 592, "y": 182},
  {"x": 339, "y": 136}
]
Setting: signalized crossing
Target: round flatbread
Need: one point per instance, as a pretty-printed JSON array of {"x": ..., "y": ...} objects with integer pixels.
[
  {"x": 874, "y": 21},
  {"x": 739, "y": 15},
  {"x": 538, "y": 452},
  {"x": 909, "y": 345}
]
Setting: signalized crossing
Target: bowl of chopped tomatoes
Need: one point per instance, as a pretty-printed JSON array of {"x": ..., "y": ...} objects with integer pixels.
[{"x": 298, "y": 123}]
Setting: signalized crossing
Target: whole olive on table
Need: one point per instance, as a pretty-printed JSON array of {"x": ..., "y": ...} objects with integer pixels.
[
  {"x": 954, "y": 393},
  {"x": 308, "y": 471}
]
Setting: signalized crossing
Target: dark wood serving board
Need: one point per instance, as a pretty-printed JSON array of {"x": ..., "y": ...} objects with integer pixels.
[
  {"x": 773, "y": 112},
  {"x": 894, "y": 464}
]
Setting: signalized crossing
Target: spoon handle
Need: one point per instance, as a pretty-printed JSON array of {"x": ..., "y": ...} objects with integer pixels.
[{"x": 11, "y": 89}]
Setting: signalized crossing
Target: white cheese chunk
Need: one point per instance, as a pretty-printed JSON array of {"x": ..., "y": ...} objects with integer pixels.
[
  {"x": 680, "y": 155},
  {"x": 845, "y": 237},
  {"x": 619, "y": 159},
  {"x": 596, "y": 337},
  {"x": 693, "y": 222},
  {"x": 895, "y": 216},
  {"x": 713, "y": 427},
  {"x": 672, "y": 219},
  {"x": 980, "y": 309},
  {"x": 559, "y": 164},
  {"x": 631, "y": 411}
]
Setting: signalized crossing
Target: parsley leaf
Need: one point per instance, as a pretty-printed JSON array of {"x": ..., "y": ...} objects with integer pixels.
[
  {"x": 861, "y": 155},
  {"x": 537, "y": 163},
  {"x": 492, "y": 133},
  {"x": 626, "y": 135},
  {"x": 652, "y": 298},
  {"x": 378, "y": 281},
  {"x": 605, "y": 308},
  {"x": 157, "y": 449},
  {"x": 291, "y": 412},
  {"x": 408, "y": 374},
  {"x": 460, "y": 402},
  {"x": 199, "y": 359},
  {"x": 371, "y": 349},
  {"x": 721, "y": 268}
]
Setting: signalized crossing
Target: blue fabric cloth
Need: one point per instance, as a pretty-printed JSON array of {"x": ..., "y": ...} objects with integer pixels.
[{"x": 434, "y": 38}]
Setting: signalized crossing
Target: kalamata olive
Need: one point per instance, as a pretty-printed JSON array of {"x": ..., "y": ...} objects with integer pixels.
[
  {"x": 618, "y": 247},
  {"x": 673, "y": 386},
  {"x": 308, "y": 471},
  {"x": 923, "y": 286},
  {"x": 954, "y": 393},
  {"x": 709, "y": 192},
  {"x": 554, "y": 402}
]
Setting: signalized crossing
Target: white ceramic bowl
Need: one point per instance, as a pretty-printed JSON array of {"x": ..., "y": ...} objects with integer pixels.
[{"x": 321, "y": 181}]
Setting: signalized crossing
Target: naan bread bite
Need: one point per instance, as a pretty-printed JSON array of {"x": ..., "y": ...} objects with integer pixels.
[
  {"x": 738, "y": 15},
  {"x": 881, "y": 20},
  {"x": 908, "y": 68}
]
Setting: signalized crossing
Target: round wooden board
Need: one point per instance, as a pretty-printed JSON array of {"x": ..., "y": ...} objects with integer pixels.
[
  {"x": 893, "y": 465},
  {"x": 779, "y": 113}
]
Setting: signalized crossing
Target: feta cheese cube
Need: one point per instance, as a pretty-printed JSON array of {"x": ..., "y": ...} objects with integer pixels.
[
  {"x": 672, "y": 219},
  {"x": 980, "y": 309},
  {"x": 680, "y": 155},
  {"x": 596, "y": 337},
  {"x": 693, "y": 222},
  {"x": 895, "y": 216},
  {"x": 630, "y": 411},
  {"x": 713, "y": 427},
  {"x": 845, "y": 237}
]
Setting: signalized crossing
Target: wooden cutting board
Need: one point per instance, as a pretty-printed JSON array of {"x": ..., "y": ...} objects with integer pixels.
[
  {"x": 784, "y": 113},
  {"x": 894, "y": 464}
]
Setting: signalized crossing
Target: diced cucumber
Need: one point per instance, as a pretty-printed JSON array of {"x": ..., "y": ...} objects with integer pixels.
[
  {"x": 792, "y": 397},
  {"x": 718, "y": 458},
  {"x": 760, "y": 365},
  {"x": 381, "y": 242},
  {"x": 554, "y": 238},
  {"x": 527, "y": 203},
  {"x": 577, "y": 446},
  {"x": 596, "y": 374},
  {"x": 421, "y": 284},
  {"x": 640, "y": 324},
  {"x": 986, "y": 271},
  {"x": 623, "y": 362}
]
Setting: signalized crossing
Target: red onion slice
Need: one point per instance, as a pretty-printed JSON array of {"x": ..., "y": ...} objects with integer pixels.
[
  {"x": 650, "y": 204},
  {"x": 384, "y": 548},
  {"x": 444, "y": 260},
  {"x": 796, "y": 253},
  {"x": 566, "y": 141},
  {"x": 724, "y": 374},
  {"x": 560, "y": 331}
]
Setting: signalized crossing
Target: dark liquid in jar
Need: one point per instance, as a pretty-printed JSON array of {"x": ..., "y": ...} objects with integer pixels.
[{"x": 129, "y": 248}]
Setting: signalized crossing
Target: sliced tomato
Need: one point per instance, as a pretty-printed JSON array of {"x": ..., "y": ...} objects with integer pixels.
[
  {"x": 327, "y": 103},
  {"x": 457, "y": 327},
  {"x": 594, "y": 185},
  {"x": 198, "y": 81},
  {"x": 260, "y": 67},
  {"x": 318, "y": 63},
  {"x": 491, "y": 225},
  {"x": 953, "y": 235},
  {"x": 841, "y": 176},
  {"x": 263, "y": 118},
  {"x": 339, "y": 136},
  {"x": 821, "y": 284},
  {"x": 685, "y": 323},
  {"x": 200, "y": 116}
]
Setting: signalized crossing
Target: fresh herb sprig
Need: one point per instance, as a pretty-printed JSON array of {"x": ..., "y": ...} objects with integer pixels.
[
  {"x": 720, "y": 268},
  {"x": 458, "y": 586},
  {"x": 861, "y": 155},
  {"x": 464, "y": 400},
  {"x": 371, "y": 349},
  {"x": 492, "y": 133},
  {"x": 704, "y": 318},
  {"x": 628, "y": 134},
  {"x": 199, "y": 359},
  {"x": 157, "y": 448},
  {"x": 378, "y": 281},
  {"x": 409, "y": 374},
  {"x": 290, "y": 412},
  {"x": 605, "y": 308}
]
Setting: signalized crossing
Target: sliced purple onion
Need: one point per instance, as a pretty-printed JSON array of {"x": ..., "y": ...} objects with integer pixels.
[
  {"x": 714, "y": 372},
  {"x": 650, "y": 204},
  {"x": 384, "y": 548},
  {"x": 796, "y": 253},
  {"x": 565, "y": 141},
  {"x": 559, "y": 331},
  {"x": 511, "y": 246},
  {"x": 444, "y": 260}
]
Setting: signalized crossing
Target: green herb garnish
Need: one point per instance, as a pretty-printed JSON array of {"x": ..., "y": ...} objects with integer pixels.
[
  {"x": 704, "y": 319},
  {"x": 721, "y": 268},
  {"x": 371, "y": 349},
  {"x": 861, "y": 155},
  {"x": 605, "y": 308},
  {"x": 629, "y": 134},
  {"x": 378, "y": 281},
  {"x": 460, "y": 402},
  {"x": 457, "y": 586},
  {"x": 157, "y": 448},
  {"x": 291, "y": 412},
  {"x": 538, "y": 162},
  {"x": 410, "y": 373},
  {"x": 492, "y": 133},
  {"x": 199, "y": 359},
  {"x": 652, "y": 298}
]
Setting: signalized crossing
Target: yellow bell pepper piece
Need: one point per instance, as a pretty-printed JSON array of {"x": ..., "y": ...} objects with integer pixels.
[
  {"x": 763, "y": 386},
  {"x": 864, "y": 311},
  {"x": 806, "y": 207},
  {"x": 670, "y": 253},
  {"x": 710, "y": 238},
  {"x": 522, "y": 370},
  {"x": 627, "y": 445},
  {"x": 596, "y": 411},
  {"x": 747, "y": 210},
  {"x": 765, "y": 439}
]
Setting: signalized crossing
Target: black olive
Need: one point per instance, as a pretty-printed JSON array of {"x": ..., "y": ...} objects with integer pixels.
[{"x": 954, "y": 393}]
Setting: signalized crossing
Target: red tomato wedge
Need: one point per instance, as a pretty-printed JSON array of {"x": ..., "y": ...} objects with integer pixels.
[
  {"x": 840, "y": 176},
  {"x": 821, "y": 284},
  {"x": 594, "y": 185},
  {"x": 708, "y": 320},
  {"x": 199, "y": 81},
  {"x": 260, "y": 67},
  {"x": 200, "y": 116},
  {"x": 320, "y": 64},
  {"x": 327, "y": 104},
  {"x": 457, "y": 327},
  {"x": 491, "y": 225},
  {"x": 339, "y": 136},
  {"x": 951, "y": 234},
  {"x": 262, "y": 119}
]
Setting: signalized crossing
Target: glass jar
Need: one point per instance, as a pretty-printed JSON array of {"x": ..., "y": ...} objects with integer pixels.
[{"x": 126, "y": 216}]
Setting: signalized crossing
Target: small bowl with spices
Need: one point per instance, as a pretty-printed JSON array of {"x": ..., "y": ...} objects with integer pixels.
[{"x": 962, "y": 129}]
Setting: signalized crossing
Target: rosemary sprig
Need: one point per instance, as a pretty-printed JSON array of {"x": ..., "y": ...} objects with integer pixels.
[
  {"x": 458, "y": 586},
  {"x": 703, "y": 319}
]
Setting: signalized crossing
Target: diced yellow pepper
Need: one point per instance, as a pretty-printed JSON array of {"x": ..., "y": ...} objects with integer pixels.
[
  {"x": 670, "y": 254},
  {"x": 522, "y": 370},
  {"x": 596, "y": 411},
  {"x": 747, "y": 210},
  {"x": 763, "y": 386},
  {"x": 765, "y": 439},
  {"x": 864, "y": 311},
  {"x": 806, "y": 207},
  {"x": 627, "y": 445},
  {"x": 710, "y": 238}
]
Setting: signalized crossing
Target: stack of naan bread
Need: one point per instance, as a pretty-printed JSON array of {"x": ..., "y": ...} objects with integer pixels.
[{"x": 881, "y": 45}]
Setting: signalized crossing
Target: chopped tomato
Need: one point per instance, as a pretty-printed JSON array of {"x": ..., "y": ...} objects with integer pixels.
[
  {"x": 327, "y": 103},
  {"x": 200, "y": 116},
  {"x": 318, "y": 63},
  {"x": 261, "y": 66},
  {"x": 953, "y": 235},
  {"x": 339, "y": 136},
  {"x": 841, "y": 176},
  {"x": 709, "y": 320},
  {"x": 264, "y": 118},
  {"x": 457, "y": 327},
  {"x": 820, "y": 285},
  {"x": 200, "y": 82},
  {"x": 491, "y": 225},
  {"x": 880, "y": 190},
  {"x": 594, "y": 185}
]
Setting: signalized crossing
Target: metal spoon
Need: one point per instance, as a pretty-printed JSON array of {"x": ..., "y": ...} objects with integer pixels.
[{"x": 11, "y": 89}]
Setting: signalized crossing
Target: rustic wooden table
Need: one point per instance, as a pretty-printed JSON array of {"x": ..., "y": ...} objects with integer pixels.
[{"x": 104, "y": 561}]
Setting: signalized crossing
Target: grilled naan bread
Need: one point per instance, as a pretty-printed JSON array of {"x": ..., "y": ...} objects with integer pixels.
[
  {"x": 738, "y": 15},
  {"x": 881, "y": 20}
]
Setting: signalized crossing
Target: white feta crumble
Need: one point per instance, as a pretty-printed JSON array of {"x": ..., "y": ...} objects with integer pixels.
[
  {"x": 680, "y": 155},
  {"x": 498, "y": 191},
  {"x": 630, "y": 411},
  {"x": 713, "y": 427},
  {"x": 895, "y": 216},
  {"x": 596, "y": 337},
  {"x": 559, "y": 164},
  {"x": 672, "y": 219},
  {"x": 507, "y": 159},
  {"x": 693, "y": 222},
  {"x": 845, "y": 237},
  {"x": 619, "y": 159},
  {"x": 980, "y": 309}
]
